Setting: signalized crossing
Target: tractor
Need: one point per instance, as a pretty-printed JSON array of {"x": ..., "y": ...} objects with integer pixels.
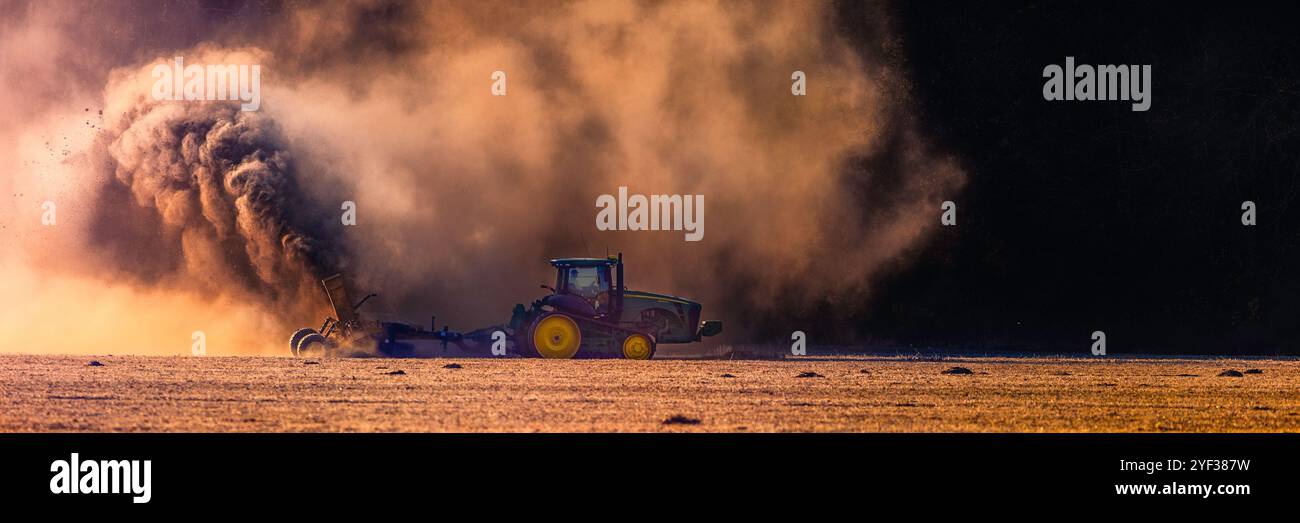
[{"x": 589, "y": 313}]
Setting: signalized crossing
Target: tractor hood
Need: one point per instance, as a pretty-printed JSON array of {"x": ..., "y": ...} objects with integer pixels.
[
  {"x": 674, "y": 319},
  {"x": 659, "y": 297}
]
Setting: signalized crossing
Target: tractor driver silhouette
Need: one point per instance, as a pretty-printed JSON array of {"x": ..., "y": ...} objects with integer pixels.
[{"x": 586, "y": 283}]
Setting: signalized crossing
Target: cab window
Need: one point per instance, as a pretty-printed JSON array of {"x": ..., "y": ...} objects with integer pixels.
[{"x": 591, "y": 283}]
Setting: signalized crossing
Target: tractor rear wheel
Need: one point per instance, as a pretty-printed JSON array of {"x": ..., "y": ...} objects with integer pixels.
[
  {"x": 556, "y": 336},
  {"x": 297, "y": 336},
  {"x": 638, "y": 347},
  {"x": 312, "y": 342}
]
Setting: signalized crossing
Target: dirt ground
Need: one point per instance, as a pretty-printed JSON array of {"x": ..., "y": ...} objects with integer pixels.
[{"x": 1033, "y": 394}]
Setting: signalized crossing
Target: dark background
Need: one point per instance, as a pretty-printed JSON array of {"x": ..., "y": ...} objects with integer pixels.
[{"x": 1083, "y": 216}]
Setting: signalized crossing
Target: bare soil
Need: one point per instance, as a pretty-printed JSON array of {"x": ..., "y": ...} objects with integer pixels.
[{"x": 1003, "y": 394}]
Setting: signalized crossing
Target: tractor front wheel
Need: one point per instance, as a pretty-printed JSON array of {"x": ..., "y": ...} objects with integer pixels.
[
  {"x": 638, "y": 347},
  {"x": 556, "y": 336}
]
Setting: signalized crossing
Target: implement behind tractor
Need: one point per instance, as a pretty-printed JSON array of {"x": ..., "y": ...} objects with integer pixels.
[{"x": 589, "y": 314}]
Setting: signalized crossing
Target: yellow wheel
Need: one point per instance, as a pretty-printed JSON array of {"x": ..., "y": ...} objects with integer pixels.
[
  {"x": 637, "y": 347},
  {"x": 556, "y": 336}
]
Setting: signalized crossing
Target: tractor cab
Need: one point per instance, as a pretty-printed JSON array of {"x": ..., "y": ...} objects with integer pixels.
[{"x": 597, "y": 282}]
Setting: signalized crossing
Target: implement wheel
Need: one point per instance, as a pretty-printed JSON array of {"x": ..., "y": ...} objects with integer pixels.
[
  {"x": 638, "y": 347},
  {"x": 556, "y": 336},
  {"x": 298, "y": 335},
  {"x": 313, "y": 344}
]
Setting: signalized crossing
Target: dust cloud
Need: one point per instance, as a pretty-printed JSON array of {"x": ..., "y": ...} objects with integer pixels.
[{"x": 183, "y": 216}]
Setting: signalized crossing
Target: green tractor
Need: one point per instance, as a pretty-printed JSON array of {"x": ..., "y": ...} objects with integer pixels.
[{"x": 589, "y": 314}]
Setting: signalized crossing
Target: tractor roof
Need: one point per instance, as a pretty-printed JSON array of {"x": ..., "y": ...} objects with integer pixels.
[{"x": 565, "y": 263}]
